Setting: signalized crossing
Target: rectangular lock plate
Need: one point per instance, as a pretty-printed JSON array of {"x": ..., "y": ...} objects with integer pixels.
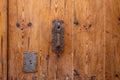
[
  {"x": 30, "y": 62},
  {"x": 58, "y": 37}
]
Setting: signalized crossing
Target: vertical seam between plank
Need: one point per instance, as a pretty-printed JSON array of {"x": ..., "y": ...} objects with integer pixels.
[
  {"x": 72, "y": 39},
  {"x": 7, "y": 37},
  {"x": 104, "y": 9}
]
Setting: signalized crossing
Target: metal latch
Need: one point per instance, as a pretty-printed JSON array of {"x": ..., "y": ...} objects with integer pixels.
[
  {"x": 30, "y": 62},
  {"x": 57, "y": 37}
]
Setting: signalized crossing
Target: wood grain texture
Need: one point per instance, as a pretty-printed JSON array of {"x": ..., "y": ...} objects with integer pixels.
[
  {"x": 88, "y": 40},
  {"x": 53, "y": 68},
  {"x": 3, "y": 39},
  {"x": 24, "y": 36},
  {"x": 91, "y": 35},
  {"x": 112, "y": 27},
  {"x": 38, "y": 37}
]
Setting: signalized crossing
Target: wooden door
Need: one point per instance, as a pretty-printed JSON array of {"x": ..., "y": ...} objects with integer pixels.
[{"x": 91, "y": 39}]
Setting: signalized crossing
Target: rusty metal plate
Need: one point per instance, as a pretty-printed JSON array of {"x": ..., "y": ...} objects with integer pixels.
[
  {"x": 58, "y": 37},
  {"x": 30, "y": 62}
]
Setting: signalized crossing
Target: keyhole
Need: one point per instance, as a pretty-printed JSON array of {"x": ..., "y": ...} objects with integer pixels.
[
  {"x": 58, "y": 27},
  {"x": 30, "y": 61}
]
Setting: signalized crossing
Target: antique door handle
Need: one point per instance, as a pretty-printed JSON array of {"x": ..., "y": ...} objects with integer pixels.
[{"x": 57, "y": 37}]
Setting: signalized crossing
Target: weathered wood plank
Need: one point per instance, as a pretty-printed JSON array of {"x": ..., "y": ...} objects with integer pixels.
[
  {"x": 54, "y": 68},
  {"x": 3, "y": 39},
  {"x": 88, "y": 40},
  {"x": 112, "y": 27},
  {"x": 24, "y": 35}
]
